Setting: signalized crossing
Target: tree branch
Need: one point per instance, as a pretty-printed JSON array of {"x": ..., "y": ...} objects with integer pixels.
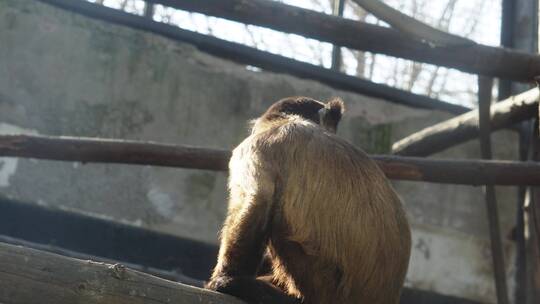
[
  {"x": 468, "y": 172},
  {"x": 459, "y": 129},
  {"x": 30, "y": 276}
]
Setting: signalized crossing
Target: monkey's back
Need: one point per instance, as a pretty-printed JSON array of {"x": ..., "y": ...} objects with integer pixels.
[{"x": 339, "y": 233}]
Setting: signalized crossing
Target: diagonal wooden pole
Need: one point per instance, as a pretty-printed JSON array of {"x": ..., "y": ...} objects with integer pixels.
[{"x": 462, "y": 128}]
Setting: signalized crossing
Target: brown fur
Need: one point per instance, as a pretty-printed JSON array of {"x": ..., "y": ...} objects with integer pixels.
[{"x": 330, "y": 222}]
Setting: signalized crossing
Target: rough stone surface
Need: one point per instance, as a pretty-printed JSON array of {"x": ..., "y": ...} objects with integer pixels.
[{"x": 64, "y": 74}]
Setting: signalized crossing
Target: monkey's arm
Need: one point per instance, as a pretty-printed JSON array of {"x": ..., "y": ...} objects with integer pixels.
[
  {"x": 244, "y": 236},
  {"x": 243, "y": 242}
]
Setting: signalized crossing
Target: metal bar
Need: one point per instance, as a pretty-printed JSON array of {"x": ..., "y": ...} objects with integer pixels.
[
  {"x": 484, "y": 104},
  {"x": 251, "y": 56}
]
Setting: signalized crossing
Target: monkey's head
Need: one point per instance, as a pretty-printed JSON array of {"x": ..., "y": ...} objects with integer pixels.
[{"x": 327, "y": 115}]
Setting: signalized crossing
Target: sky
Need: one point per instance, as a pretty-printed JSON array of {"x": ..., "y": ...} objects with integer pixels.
[{"x": 450, "y": 85}]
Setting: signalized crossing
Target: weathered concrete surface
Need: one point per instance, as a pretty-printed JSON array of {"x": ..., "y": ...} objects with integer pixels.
[{"x": 64, "y": 74}]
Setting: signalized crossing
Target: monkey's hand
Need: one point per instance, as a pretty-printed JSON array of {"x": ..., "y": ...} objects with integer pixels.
[
  {"x": 219, "y": 284},
  {"x": 250, "y": 290}
]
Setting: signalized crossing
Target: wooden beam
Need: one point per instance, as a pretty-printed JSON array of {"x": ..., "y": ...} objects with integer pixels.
[
  {"x": 459, "y": 129},
  {"x": 31, "y": 276},
  {"x": 247, "y": 55},
  {"x": 467, "y": 172},
  {"x": 471, "y": 58}
]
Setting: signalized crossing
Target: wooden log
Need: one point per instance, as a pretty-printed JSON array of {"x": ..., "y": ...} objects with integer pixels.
[
  {"x": 411, "y": 26},
  {"x": 100, "y": 150},
  {"x": 164, "y": 274},
  {"x": 72, "y": 277},
  {"x": 464, "y": 127},
  {"x": 467, "y": 172},
  {"x": 33, "y": 276},
  {"x": 471, "y": 58}
]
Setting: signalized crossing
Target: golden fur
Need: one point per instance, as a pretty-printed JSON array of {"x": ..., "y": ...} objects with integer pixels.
[{"x": 333, "y": 227}]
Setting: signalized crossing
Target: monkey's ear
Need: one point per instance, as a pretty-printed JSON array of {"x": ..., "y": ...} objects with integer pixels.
[
  {"x": 331, "y": 114},
  {"x": 336, "y": 106}
]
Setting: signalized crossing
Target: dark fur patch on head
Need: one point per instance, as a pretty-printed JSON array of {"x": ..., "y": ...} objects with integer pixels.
[
  {"x": 327, "y": 115},
  {"x": 331, "y": 114},
  {"x": 335, "y": 107},
  {"x": 305, "y": 107}
]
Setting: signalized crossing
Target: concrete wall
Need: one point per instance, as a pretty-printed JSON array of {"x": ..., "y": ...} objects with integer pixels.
[{"x": 64, "y": 74}]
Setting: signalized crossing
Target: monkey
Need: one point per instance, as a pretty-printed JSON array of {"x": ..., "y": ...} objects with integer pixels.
[{"x": 317, "y": 207}]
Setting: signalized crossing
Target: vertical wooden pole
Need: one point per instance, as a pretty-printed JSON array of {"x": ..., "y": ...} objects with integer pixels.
[
  {"x": 507, "y": 34},
  {"x": 149, "y": 10},
  {"x": 532, "y": 222},
  {"x": 520, "y": 292},
  {"x": 485, "y": 86},
  {"x": 339, "y": 6},
  {"x": 519, "y": 30}
]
